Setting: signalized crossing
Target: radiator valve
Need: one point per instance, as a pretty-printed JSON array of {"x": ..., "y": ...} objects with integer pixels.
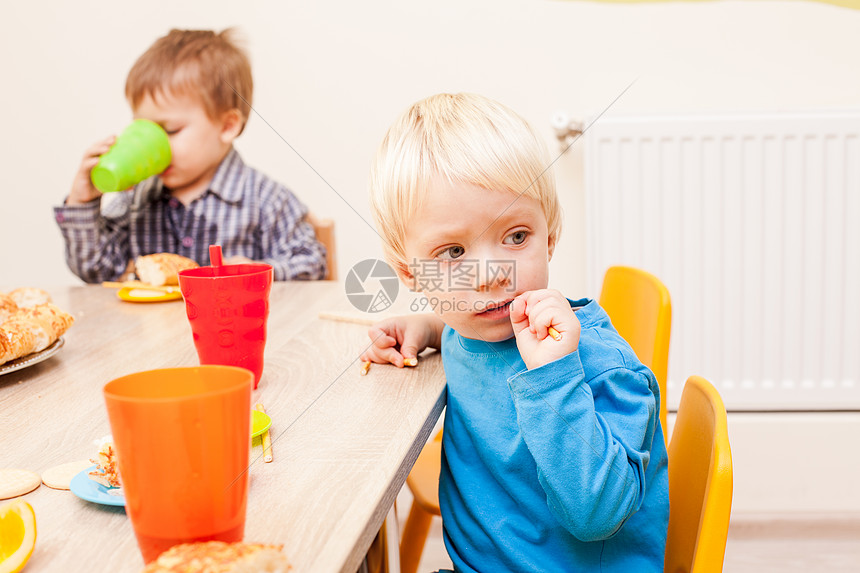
[{"x": 567, "y": 129}]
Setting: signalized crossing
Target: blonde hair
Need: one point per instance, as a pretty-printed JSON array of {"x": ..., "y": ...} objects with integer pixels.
[
  {"x": 463, "y": 138},
  {"x": 200, "y": 63}
]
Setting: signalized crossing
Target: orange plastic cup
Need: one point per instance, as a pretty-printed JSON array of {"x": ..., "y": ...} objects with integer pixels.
[
  {"x": 228, "y": 307},
  {"x": 182, "y": 438}
]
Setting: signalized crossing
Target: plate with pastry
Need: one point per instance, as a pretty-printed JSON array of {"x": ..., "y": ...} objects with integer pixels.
[
  {"x": 29, "y": 334},
  {"x": 83, "y": 486},
  {"x": 100, "y": 483},
  {"x": 31, "y": 359}
]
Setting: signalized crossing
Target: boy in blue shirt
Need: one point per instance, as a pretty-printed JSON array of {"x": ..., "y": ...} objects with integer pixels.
[
  {"x": 553, "y": 458},
  {"x": 197, "y": 85}
]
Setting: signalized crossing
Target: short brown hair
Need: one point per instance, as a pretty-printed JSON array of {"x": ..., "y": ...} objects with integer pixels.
[{"x": 201, "y": 63}]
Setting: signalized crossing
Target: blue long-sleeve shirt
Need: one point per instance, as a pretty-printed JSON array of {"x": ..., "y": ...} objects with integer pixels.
[{"x": 559, "y": 468}]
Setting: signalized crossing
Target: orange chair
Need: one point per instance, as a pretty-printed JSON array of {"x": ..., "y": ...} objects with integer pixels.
[
  {"x": 700, "y": 482},
  {"x": 423, "y": 481},
  {"x": 640, "y": 309},
  {"x": 324, "y": 229}
]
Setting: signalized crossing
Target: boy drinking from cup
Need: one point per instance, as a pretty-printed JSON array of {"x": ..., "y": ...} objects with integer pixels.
[
  {"x": 197, "y": 85},
  {"x": 553, "y": 458}
]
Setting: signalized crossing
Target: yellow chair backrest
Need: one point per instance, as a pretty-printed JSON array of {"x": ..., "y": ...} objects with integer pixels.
[
  {"x": 700, "y": 482},
  {"x": 639, "y": 306}
]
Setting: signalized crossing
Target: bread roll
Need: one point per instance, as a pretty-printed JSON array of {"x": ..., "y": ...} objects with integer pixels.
[
  {"x": 32, "y": 330},
  {"x": 220, "y": 557},
  {"x": 8, "y": 307},
  {"x": 15, "y": 343},
  {"x": 55, "y": 321},
  {"x": 162, "y": 269},
  {"x": 18, "y": 326},
  {"x": 26, "y": 297}
]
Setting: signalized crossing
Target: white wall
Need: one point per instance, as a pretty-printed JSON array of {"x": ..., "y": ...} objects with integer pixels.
[{"x": 330, "y": 77}]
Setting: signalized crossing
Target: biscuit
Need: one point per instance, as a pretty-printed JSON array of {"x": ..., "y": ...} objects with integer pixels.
[
  {"x": 59, "y": 477},
  {"x": 17, "y": 482}
]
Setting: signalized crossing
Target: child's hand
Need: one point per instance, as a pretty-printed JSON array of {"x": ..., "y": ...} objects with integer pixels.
[
  {"x": 83, "y": 190},
  {"x": 403, "y": 338},
  {"x": 532, "y": 313}
]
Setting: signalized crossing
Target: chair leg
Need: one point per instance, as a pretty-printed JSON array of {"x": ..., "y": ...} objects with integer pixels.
[{"x": 414, "y": 537}]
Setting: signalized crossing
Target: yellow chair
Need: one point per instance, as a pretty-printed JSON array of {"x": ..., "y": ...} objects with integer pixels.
[
  {"x": 324, "y": 229},
  {"x": 700, "y": 482},
  {"x": 640, "y": 309},
  {"x": 639, "y": 306}
]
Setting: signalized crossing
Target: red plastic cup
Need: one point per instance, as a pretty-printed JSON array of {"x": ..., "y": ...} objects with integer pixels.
[
  {"x": 182, "y": 437},
  {"x": 227, "y": 307}
]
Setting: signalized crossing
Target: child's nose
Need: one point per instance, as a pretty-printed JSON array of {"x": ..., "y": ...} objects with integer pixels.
[{"x": 494, "y": 274}]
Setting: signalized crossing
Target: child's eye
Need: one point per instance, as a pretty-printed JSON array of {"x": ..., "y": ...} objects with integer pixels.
[
  {"x": 172, "y": 131},
  {"x": 516, "y": 238},
  {"x": 451, "y": 253}
]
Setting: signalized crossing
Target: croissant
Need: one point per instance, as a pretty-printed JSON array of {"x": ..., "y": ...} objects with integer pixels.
[
  {"x": 8, "y": 307},
  {"x": 32, "y": 330},
  {"x": 15, "y": 342},
  {"x": 161, "y": 269},
  {"x": 26, "y": 297},
  {"x": 53, "y": 320}
]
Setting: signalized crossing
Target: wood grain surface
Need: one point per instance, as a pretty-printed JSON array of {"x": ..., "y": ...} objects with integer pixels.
[{"x": 344, "y": 443}]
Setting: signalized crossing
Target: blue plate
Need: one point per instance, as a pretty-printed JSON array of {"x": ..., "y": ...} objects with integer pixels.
[{"x": 85, "y": 488}]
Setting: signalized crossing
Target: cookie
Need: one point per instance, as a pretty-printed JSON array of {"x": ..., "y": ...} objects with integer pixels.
[
  {"x": 59, "y": 477},
  {"x": 17, "y": 482}
]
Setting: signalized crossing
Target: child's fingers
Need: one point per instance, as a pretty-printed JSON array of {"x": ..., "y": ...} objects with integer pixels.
[
  {"x": 409, "y": 348},
  {"x": 544, "y": 308},
  {"x": 519, "y": 318},
  {"x": 384, "y": 347},
  {"x": 100, "y": 148},
  {"x": 380, "y": 336},
  {"x": 383, "y": 356},
  {"x": 542, "y": 319},
  {"x": 88, "y": 163}
]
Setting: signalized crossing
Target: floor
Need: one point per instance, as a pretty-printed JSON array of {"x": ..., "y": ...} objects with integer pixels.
[{"x": 805, "y": 543}]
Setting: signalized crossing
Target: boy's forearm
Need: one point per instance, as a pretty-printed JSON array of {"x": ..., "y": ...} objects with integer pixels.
[
  {"x": 298, "y": 267},
  {"x": 591, "y": 457},
  {"x": 94, "y": 246}
]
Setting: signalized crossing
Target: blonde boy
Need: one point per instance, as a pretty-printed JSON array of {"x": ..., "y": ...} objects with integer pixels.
[
  {"x": 553, "y": 457},
  {"x": 197, "y": 85}
]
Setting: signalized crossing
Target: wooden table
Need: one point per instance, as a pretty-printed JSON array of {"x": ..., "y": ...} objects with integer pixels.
[{"x": 343, "y": 443}]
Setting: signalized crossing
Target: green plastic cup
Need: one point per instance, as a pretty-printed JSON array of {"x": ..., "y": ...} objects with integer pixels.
[{"x": 141, "y": 151}]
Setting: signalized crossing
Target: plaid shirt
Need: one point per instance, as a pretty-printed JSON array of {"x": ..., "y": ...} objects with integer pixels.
[{"x": 244, "y": 211}]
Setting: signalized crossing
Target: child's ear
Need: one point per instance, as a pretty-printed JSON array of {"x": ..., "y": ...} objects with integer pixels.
[
  {"x": 550, "y": 247},
  {"x": 405, "y": 275},
  {"x": 231, "y": 125}
]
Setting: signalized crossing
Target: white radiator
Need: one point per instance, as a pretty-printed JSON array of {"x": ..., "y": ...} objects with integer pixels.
[{"x": 753, "y": 223}]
